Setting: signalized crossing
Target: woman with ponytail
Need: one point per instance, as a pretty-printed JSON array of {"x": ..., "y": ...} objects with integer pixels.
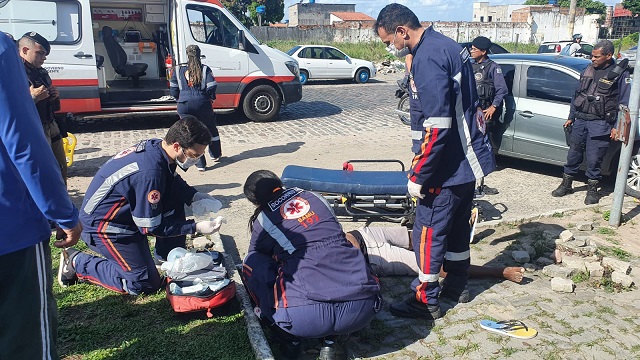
[
  {"x": 306, "y": 280},
  {"x": 194, "y": 88}
]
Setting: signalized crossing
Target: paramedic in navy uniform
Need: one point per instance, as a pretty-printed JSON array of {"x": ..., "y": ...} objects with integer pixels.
[
  {"x": 451, "y": 153},
  {"x": 194, "y": 88},
  {"x": 136, "y": 194},
  {"x": 305, "y": 278}
]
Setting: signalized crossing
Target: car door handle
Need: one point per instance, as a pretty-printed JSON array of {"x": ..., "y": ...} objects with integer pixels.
[
  {"x": 82, "y": 55},
  {"x": 527, "y": 114}
]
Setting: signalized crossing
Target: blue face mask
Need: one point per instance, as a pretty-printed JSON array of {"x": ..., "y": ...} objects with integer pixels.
[
  {"x": 188, "y": 162},
  {"x": 398, "y": 52}
]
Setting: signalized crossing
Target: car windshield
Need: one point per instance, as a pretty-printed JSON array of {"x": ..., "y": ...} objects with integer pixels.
[
  {"x": 547, "y": 48},
  {"x": 293, "y": 50}
]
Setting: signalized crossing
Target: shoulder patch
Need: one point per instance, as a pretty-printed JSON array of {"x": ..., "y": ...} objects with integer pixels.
[
  {"x": 153, "y": 196},
  {"x": 498, "y": 70},
  {"x": 286, "y": 195},
  {"x": 141, "y": 145},
  {"x": 125, "y": 152},
  {"x": 295, "y": 208}
]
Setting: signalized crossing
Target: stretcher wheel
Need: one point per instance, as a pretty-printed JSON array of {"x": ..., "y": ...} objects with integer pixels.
[{"x": 69, "y": 144}]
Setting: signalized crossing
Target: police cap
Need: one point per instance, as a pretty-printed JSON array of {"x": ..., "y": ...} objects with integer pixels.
[
  {"x": 38, "y": 39},
  {"x": 481, "y": 43}
]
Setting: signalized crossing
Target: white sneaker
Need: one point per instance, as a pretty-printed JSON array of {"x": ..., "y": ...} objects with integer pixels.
[
  {"x": 201, "y": 169},
  {"x": 66, "y": 273}
]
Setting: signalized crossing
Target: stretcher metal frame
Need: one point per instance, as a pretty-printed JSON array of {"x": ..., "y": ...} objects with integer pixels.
[{"x": 360, "y": 193}]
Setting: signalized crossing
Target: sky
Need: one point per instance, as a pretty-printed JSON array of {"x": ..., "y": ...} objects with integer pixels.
[{"x": 426, "y": 10}]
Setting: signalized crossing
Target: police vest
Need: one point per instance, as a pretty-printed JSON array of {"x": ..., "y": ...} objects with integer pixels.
[
  {"x": 484, "y": 84},
  {"x": 47, "y": 107},
  {"x": 597, "y": 100}
]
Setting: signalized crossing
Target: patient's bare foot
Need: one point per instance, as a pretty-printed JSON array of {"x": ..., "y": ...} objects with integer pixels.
[{"x": 513, "y": 273}]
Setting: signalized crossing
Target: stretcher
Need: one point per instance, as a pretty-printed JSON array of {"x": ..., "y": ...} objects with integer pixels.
[{"x": 360, "y": 193}]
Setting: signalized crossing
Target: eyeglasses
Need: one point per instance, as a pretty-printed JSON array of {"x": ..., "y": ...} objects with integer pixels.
[{"x": 191, "y": 156}]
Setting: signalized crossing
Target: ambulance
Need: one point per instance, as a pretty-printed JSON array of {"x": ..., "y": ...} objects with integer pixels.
[{"x": 114, "y": 57}]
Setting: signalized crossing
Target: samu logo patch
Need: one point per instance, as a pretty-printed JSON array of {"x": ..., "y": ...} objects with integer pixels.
[{"x": 295, "y": 208}]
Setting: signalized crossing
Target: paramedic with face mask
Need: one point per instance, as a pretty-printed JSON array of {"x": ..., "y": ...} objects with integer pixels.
[
  {"x": 451, "y": 153},
  {"x": 136, "y": 194}
]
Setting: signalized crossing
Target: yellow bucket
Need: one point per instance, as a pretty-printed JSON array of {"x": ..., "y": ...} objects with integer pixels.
[{"x": 69, "y": 144}]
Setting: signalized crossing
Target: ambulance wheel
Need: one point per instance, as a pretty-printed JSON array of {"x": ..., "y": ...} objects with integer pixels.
[
  {"x": 362, "y": 76},
  {"x": 633, "y": 177},
  {"x": 304, "y": 77},
  {"x": 262, "y": 103}
]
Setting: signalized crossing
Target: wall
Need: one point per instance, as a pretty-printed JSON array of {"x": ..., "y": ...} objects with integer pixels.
[
  {"x": 553, "y": 26},
  {"x": 314, "y": 13}
]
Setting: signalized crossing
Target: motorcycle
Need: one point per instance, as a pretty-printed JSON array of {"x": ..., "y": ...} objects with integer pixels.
[{"x": 402, "y": 93}]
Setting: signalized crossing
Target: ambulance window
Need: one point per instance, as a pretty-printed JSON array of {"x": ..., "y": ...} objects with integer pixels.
[
  {"x": 211, "y": 26},
  {"x": 19, "y": 17},
  {"x": 68, "y": 22}
]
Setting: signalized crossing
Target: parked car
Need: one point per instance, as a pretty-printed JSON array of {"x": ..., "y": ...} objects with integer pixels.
[
  {"x": 629, "y": 54},
  {"x": 531, "y": 126},
  {"x": 494, "y": 49},
  {"x": 562, "y": 47},
  {"x": 327, "y": 62}
]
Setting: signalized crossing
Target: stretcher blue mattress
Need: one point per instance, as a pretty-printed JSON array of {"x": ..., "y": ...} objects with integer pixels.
[{"x": 345, "y": 182}]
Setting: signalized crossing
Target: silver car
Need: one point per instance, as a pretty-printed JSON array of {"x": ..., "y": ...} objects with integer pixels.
[
  {"x": 531, "y": 126},
  {"x": 629, "y": 54}
]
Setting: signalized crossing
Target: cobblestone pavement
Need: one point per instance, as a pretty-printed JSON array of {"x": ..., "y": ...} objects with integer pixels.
[{"x": 337, "y": 121}]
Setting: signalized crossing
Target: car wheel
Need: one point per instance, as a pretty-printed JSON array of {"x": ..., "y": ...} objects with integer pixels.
[
  {"x": 262, "y": 103},
  {"x": 362, "y": 76},
  {"x": 633, "y": 177},
  {"x": 304, "y": 77},
  {"x": 403, "y": 105}
]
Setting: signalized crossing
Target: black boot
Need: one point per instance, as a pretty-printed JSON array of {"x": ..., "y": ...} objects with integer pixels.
[
  {"x": 411, "y": 308},
  {"x": 457, "y": 295},
  {"x": 592, "y": 192},
  {"x": 565, "y": 186}
]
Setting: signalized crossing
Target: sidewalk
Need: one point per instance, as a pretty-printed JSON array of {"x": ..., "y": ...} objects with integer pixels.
[{"x": 590, "y": 323}]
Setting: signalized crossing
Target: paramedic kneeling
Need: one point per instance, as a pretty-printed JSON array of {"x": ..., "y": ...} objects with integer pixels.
[
  {"x": 136, "y": 194},
  {"x": 295, "y": 268}
]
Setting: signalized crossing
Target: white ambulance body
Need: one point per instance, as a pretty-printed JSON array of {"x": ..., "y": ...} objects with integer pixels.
[{"x": 252, "y": 78}]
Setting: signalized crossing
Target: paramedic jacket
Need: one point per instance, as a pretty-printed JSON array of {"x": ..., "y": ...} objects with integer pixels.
[
  {"x": 316, "y": 263},
  {"x": 134, "y": 194},
  {"x": 182, "y": 92},
  {"x": 29, "y": 193},
  {"x": 448, "y": 130}
]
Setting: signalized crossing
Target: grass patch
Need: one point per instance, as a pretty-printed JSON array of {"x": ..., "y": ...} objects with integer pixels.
[
  {"x": 606, "y": 310},
  {"x": 606, "y": 231},
  {"x": 95, "y": 323},
  {"x": 463, "y": 350},
  {"x": 508, "y": 351},
  {"x": 571, "y": 225},
  {"x": 615, "y": 251},
  {"x": 635, "y": 348},
  {"x": 606, "y": 215},
  {"x": 557, "y": 215},
  {"x": 579, "y": 277}
]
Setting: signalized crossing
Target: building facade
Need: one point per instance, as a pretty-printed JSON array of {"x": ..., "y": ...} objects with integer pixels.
[{"x": 310, "y": 14}]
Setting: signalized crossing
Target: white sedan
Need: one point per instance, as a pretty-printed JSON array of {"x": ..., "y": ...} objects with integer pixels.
[{"x": 327, "y": 62}]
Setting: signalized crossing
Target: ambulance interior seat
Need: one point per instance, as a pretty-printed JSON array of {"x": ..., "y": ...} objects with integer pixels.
[{"x": 118, "y": 58}]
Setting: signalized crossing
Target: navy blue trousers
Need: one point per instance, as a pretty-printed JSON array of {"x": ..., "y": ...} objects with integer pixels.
[
  {"x": 591, "y": 139},
  {"x": 203, "y": 111},
  {"x": 441, "y": 238},
  {"x": 315, "y": 320}
]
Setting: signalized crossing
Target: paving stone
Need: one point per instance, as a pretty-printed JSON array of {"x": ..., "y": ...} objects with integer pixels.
[
  {"x": 595, "y": 269},
  {"x": 585, "y": 226},
  {"x": 616, "y": 264},
  {"x": 557, "y": 271},
  {"x": 520, "y": 256},
  {"x": 574, "y": 262},
  {"x": 562, "y": 285},
  {"x": 566, "y": 235},
  {"x": 578, "y": 242},
  {"x": 621, "y": 278}
]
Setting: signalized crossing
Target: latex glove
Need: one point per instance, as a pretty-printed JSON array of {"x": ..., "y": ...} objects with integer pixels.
[
  {"x": 414, "y": 189},
  {"x": 209, "y": 227}
]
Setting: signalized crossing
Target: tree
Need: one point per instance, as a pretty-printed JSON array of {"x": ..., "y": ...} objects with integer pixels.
[
  {"x": 239, "y": 9},
  {"x": 273, "y": 14},
  {"x": 591, "y": 6},
  {"x": 632, "y": 5}
]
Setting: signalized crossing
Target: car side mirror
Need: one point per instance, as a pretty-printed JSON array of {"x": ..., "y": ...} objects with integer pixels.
[{"x": 348, "y": 59}]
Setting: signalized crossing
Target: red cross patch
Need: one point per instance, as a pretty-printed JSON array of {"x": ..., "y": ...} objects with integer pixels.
[
  {"x": 154, "y": 196},
  {"x": 295, "y": 208}
]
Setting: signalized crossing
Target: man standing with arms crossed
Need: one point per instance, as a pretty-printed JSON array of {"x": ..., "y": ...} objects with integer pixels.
[
  {"x": 451, "y": 153},
  {"x": 30, "y": 193}
]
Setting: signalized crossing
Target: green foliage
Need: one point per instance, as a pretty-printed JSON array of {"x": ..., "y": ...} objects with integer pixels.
[
  {"x": 579, "y": 277},
  {"x": 592, "y": 7},
  {"x": 632, "y": 5},
  {"x": 273, "y": 14},
  {"x": 626, "y": 42},
  {"x": 239, "y": 9},
  {"x": 615, "y": 252},
  {"x": 606, "y": 231},
  {"x": 606, "y": 215},
  {"x": 520, "y": 48}
]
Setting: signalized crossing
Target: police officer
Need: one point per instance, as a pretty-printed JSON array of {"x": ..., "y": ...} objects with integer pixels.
[
  {"x": 34, "y": 49},
  {"x": 575, "y": 48},
  {"x": 451, "y": 153},
  {"x": 490, "y": 82},
  {"x": 594, "y": 111},
  {"x": 136, "y": 194}
]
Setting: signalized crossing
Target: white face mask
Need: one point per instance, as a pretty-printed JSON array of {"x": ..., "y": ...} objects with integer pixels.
[
  {"x": 398, "y": 52},
  {"x": 188, "y": 162}
]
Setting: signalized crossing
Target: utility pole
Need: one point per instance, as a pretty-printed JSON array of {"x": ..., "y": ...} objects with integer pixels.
[
  {"x": 572, "y": 16},
  {"x": 625, "y": 154}
]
